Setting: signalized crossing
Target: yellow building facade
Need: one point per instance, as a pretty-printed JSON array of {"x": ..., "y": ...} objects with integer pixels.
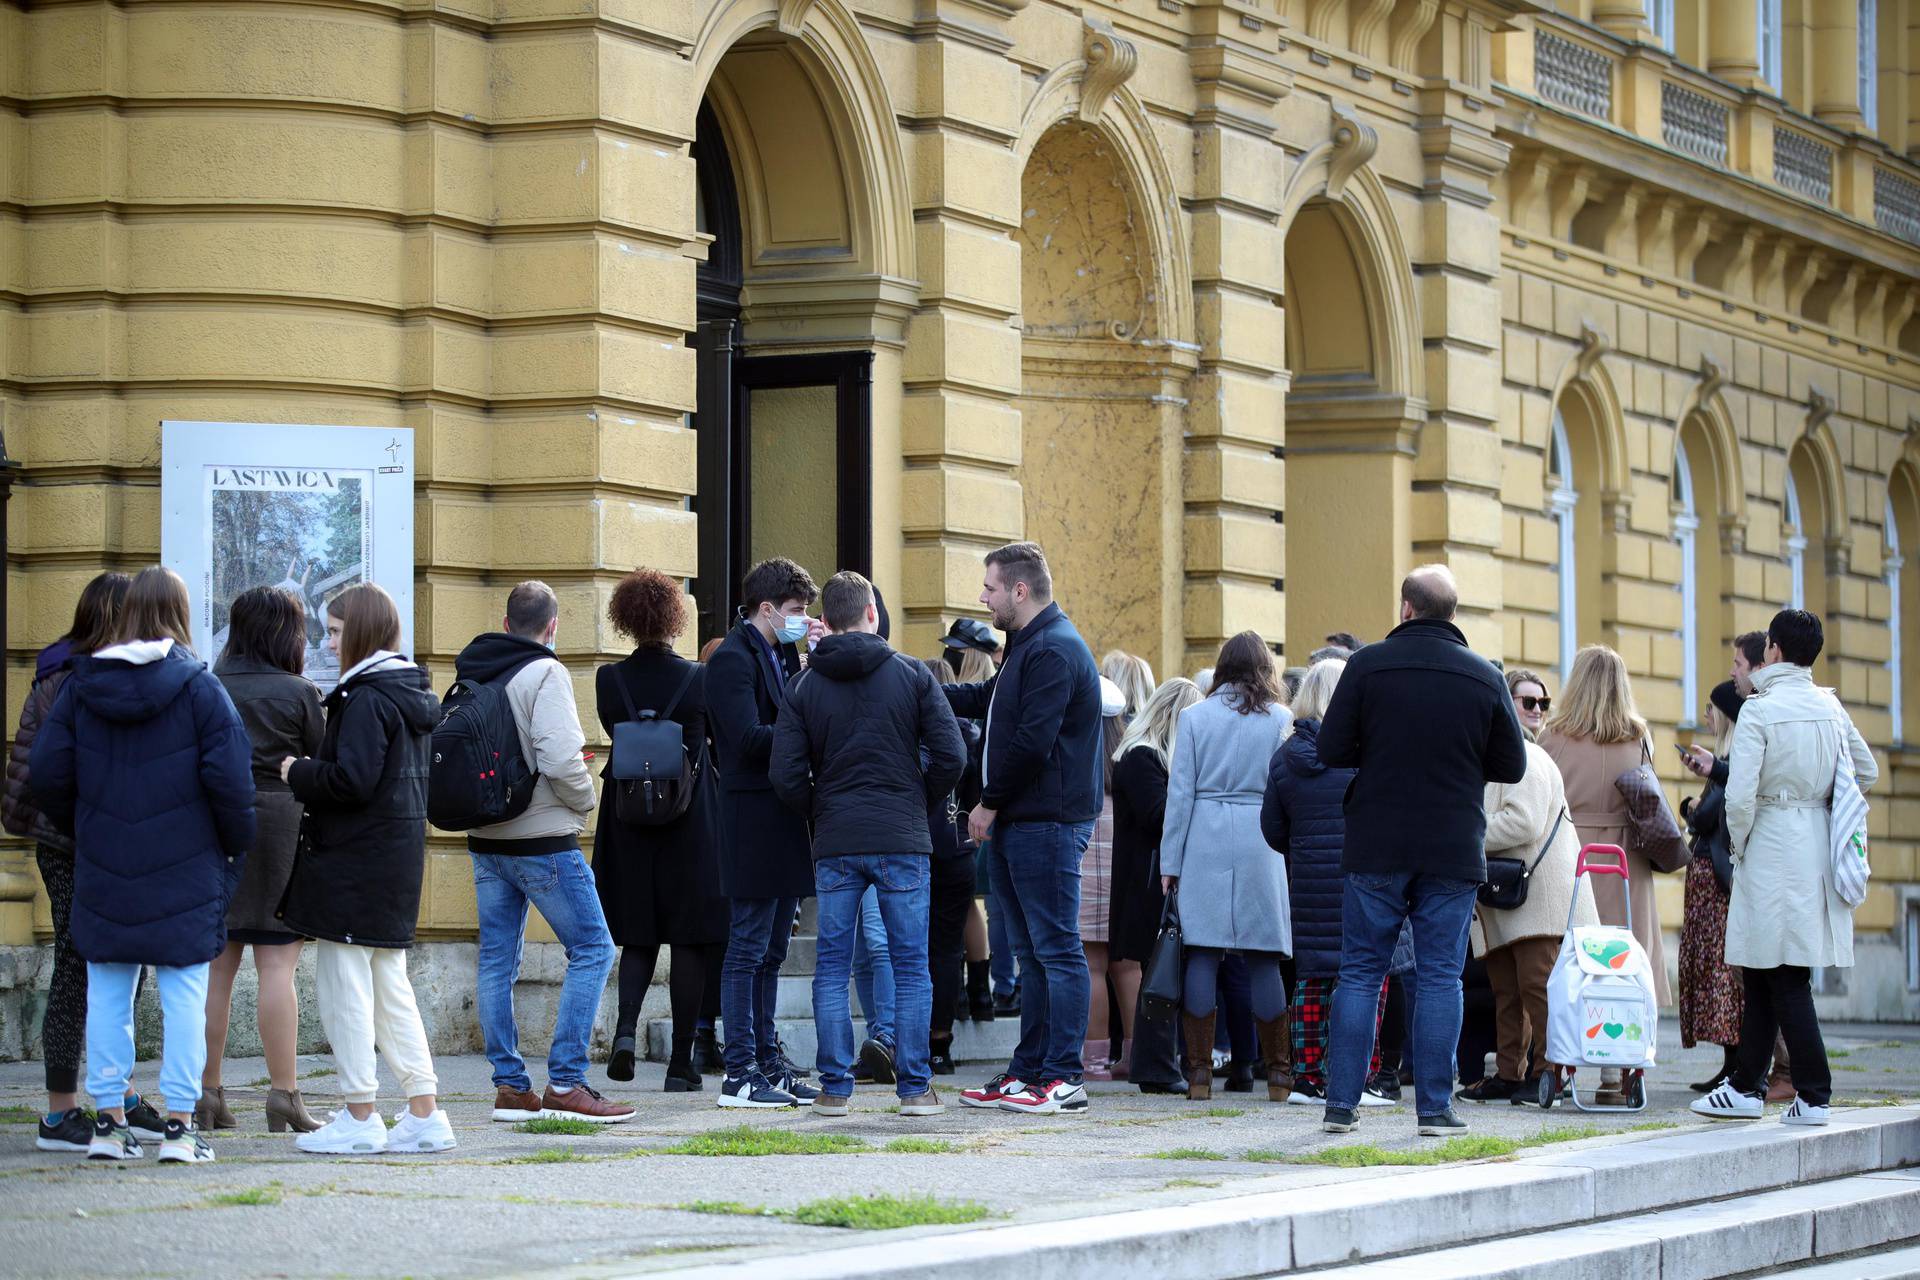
[{"x": 1240, "y": 307}]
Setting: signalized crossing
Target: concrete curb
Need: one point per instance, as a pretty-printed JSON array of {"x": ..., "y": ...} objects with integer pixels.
[{"x": 1558, "y": 1195}]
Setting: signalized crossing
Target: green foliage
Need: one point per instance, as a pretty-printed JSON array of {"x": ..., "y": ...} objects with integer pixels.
[
  {"x": 1186, "y": 1153},
  {"x": 729, "y": 1207},
  {"x": 745, "y": 1140},
  {"x": 269, "y": 1194},
  {"x": 886, "y": 1213},
  {"x": 922, "y": 1147},
  {"x": 564, "y": 1125}
]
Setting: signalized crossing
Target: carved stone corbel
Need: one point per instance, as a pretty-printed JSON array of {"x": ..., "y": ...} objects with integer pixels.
[
  {"x": 1659, "y": 218},
  {"x": 1354, "y": 142},
  {"x": 1820, "y": 407},
  {"x": 1713, "y": 376},
  {"x": 1409, "y": 29},
  {"x": 1110, "y": 60},
  {"x": 1733, "y": 533},
  {"x": 1569, "y": 196},
  {"x": 1769, "y": 270},
  {"x": 1872, "y": 308},
  {"x": 1801, "y": 278},
  {"x": 1368, "y": 21},
  {"x": 1529, "y": 174},
  {"x": 1320, "y": 18},
  {"x": 792, "y": 16},
  {"x": 1688, "y": 243},
  {"x": 1594, "y": 343}
]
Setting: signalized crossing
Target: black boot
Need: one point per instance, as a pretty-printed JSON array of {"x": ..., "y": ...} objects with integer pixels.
[
  {"x": 620, "y": 1061},
  {"x": 1731, "y": 1051},
  {"x": 980, "y": 990},
  {"x": 681, "y": 1075},
  {"x": 706, "y": 1052}
]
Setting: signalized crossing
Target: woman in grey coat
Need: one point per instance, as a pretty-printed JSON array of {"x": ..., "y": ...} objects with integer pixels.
[
  {"x": 1234, "y": 887},
  {"x": 260, "y": 668}
]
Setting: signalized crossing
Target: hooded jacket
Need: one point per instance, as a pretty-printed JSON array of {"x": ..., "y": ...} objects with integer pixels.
[
  {"x": 847, "y": 748},
  {"x": 17, "y": 811},
  {"x": 356, "y": 878},
  {"x": 541, "y": 694},
  {"x": 1302, "y": 816},
  {"x": 143, "y": 758}
]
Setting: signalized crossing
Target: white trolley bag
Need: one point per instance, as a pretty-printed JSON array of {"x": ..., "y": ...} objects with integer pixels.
[{"x": 1601, "y": 1007}]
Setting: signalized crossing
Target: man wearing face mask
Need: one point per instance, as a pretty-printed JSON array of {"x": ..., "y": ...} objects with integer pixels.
[
  {"x": 534, "y": 857},
  {"x": 766, "y": 858}
]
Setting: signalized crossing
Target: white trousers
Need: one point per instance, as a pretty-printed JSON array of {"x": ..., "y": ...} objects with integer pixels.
[{"x": 366, "y": 1001}]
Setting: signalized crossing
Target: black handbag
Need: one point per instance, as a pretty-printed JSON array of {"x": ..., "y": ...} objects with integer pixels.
[
  {"x": 1507, "y": 878},
  {"x": 1162, "y": 979}
]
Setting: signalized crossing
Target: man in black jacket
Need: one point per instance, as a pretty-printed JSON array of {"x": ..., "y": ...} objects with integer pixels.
[
  {"x": 766, "y": 863},
  {"x": 847, "y": 755},
  {"x": 1040, "y": 792},
  {"x": 1428, "y": 723}
]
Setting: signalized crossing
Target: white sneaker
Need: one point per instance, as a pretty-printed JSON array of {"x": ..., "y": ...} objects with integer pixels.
[
  {"x": 412, "y": 1133},
  {"x": 1368, "y": 1098},
  {"x": 345, "y": 1136},
  {"x": 1728, "y": 1103},
  {"x": 1802, "y": 1112}
]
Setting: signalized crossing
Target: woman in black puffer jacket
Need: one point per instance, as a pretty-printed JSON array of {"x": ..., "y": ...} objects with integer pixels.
[{"x": 1303, "y": 817}]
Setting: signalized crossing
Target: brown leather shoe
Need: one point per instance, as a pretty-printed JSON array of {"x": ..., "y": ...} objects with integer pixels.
[
  {"x": 582, "y": 1103},
  {"x": 1780, "y": 1087},
  {"x": 1276, "y": 1046},
  {"x": 512, "y": 1106},
  {"x": 1198, "y": 1058},
  {"x": 211, "y": 1112}
]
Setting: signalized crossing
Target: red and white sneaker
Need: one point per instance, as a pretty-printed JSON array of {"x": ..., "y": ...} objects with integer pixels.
[
  {"x": 1046, "y": 1099},
  {"x": 989, "y": 1095}
]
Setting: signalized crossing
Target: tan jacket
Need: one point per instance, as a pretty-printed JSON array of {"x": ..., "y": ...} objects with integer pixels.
[
  {"x": 1519, "y": 817},
  {"x": 541, "y": 694},
  {"x": 1780, "y": 777}
]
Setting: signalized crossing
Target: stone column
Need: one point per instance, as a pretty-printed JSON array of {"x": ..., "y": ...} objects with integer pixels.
[
  {"x": 1235, "y": 482},
  {"x": 959, "y": 427},
  {"x": 1836, "y": 64},
  {"x": 1624, "y": 18},
  {"x": 1733, "y": 41}
]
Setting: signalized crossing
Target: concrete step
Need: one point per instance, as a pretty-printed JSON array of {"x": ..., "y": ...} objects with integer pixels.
[
  {"x": 1878, "y": 1264},
  {"x": 1705, "y": 1203}
]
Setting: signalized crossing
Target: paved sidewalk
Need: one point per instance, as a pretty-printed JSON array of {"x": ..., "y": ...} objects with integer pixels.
[{"x": 513, "y": 1203}]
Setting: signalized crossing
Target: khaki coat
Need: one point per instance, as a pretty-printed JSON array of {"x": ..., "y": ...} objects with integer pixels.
[{"x": 1520, "y": 816}]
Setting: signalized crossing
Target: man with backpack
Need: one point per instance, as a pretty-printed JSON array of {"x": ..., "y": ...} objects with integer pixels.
[
  {"x": 508, "y": 769},
  {"x": 847, "y": 754}
]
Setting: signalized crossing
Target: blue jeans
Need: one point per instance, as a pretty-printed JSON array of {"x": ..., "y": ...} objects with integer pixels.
[
  {"x": 1441, "y": 909},
  {"x": 902, "y": 886},
  {"x": 757, "y": 938},
  {"x": 560, "y": 886},
  {"x": 183, "y": 1014},
  {"x": 1000, "y": 962},
  {"x": 872, "y": 974},
  {"x": 1034, "y": 868}
]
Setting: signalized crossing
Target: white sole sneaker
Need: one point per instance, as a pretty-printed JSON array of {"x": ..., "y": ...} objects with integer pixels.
[
  {"x": 185, "y": 1153},
  {"x": 1802, "y": 1114},
  {"x": 1299, "y": 1099},
  {"x": 504, "y": 1115},
  {"x": 1727, "y": 1103},
  {"x": 1369, "y": 1098}
]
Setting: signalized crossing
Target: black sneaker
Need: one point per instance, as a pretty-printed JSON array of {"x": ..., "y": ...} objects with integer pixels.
[
  {"x": 72, "y": 1132},
  {"x": 876, "y": 1061},
  {"x": 940, "y": 1062},
  {"x": 791, "y": 1085},
  {"x": 113, "y": 1141},
  {"x": 1489, "y": 1089},
  {"x": 183, "y": 1145},
  {"x": 1007, "y": 1006},
  {"x": 706, "y": 1053},
  {"x": 753, "y": 1091},
  {"x": 1306, "y": 1092},
  {"x": 1339, "y": 1120},
  {"x": 147, "y": 1124},
  {"x": 781, "y": 1065},
  {"x": 1444, "y": 1125},
  {"x": 1385, "y": 1084}
]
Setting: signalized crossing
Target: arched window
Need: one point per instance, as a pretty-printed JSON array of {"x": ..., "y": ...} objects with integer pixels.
[
  {"x": 1565, "y": 502},
  {"x": 1867, "y": 41},
  {"x": 1896, "y": 705},
  {"x": 1686, "y": 527},
  {"x": 1796, "y": 548}
]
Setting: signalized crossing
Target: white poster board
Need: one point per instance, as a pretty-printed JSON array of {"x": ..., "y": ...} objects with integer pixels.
[{"x": 313, "y": 509}]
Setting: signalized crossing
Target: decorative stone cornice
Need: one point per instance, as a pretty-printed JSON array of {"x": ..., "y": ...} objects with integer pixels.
[
  {"x": 1110, "y": 61},
  {"x": 1354, "y": 142}
]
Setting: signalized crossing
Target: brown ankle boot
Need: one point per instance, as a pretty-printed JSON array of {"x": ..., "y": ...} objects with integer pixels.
[
  {"x": 1276, "y": 1046},
  {"x": 1199, "y": 1055},
  {"x": 285, "y": 1109},
  {"x": 211, "y": 1112}
]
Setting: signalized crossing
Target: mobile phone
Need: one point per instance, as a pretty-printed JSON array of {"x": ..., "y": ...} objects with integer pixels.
[{"x": 1685, "y": 752}]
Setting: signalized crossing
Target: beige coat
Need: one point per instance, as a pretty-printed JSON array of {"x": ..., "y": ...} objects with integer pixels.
[
  {"x": 1519, "y": 817},
  {"x": 1600, "y": 814},
  {"x": 1780, "y": 778},
  {"x": 541, "y": 695}
]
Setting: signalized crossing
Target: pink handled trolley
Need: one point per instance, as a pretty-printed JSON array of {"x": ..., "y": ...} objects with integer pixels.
[{"x": 1601, "y": 1006}]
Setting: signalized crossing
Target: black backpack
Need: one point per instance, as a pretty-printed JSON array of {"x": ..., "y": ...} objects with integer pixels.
[
  {"x": 652, "y": 773},
  {"x": 478, "y": 776}
]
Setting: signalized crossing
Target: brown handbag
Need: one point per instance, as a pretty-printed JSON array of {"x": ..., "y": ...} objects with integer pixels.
[{"x": 1651, "y": 830}]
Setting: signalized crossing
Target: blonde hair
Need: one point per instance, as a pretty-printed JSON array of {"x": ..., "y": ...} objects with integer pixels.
[
  {"x": 1154, "y": 727},
  {"x": 1596, "y": 701},
  {"x": 1134, "y": 677},
  {"x": 1721, "y": 726},
  {"x": 975, "y": 667},
  {"x": 369, "y": 622},
  {"x": 157, "y": 608},
  {"x": 1316, "y": 689}
]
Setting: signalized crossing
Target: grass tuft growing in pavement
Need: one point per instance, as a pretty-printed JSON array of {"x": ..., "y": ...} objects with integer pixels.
[
  {"x": 1190, "y": 1182},
  {"x": 1223, "y": 1113},
  {"x": 745, "y": 1140},
  {"x": 1466, "y": 1147},
  {"x": 730, "y": 1207},
  {"x": 1185, "y": 1153},
  {"x": 550, "y": 1155},
  {"x": 269, "y": 1194},
  {"x": 886, "y": 1213},
  {"x": 922, "y": 1147},
  {"x": 560, "y": 1125},
  {"x": 19, "y": 1115}
]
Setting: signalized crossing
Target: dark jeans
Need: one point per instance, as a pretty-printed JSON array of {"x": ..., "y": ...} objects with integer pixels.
[
  {"x": 1441, "y": 909},
  {"x": 953, "y": 881},
  {"x": 1782, "y": 1000},
  {"x": 1035, "y": 872},
  {"x": 757, "y": 940}
]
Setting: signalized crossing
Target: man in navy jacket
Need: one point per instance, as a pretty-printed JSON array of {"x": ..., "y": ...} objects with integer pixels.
[
  {"x": 1428, "y": 723},
  {"x": 1040, "y": 792}
]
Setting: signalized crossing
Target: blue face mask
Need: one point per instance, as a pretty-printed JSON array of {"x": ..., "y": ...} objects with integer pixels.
[{"x": 793, "y": 628}]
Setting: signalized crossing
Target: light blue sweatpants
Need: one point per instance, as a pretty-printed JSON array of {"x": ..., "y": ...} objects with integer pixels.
[{"x": 183, "y": 1009}]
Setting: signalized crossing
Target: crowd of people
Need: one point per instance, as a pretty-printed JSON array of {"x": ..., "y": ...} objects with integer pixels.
[{"x": 1319, "y": 835}]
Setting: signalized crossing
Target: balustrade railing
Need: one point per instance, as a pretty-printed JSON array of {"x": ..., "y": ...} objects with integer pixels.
[
  {"x": 1573, "y": 75},
  {"x": 1803, "y": 165},
  {"x": 1693, "y": 123}
]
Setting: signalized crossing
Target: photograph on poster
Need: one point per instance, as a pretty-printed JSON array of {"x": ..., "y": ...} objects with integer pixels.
[{"x": 310, "y": 509}]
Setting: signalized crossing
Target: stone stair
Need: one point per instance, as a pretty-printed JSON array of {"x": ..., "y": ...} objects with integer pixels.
[
  {"x": 1703, "y": 1204},
  {"x": 973, "y": 1042}
]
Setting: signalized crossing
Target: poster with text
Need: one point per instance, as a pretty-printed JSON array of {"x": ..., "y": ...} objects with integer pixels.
[{"x": 310, "y": 509}]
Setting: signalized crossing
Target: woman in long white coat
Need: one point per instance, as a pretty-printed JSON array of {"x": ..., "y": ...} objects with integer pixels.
[
  {"x": 1232, "y": 886},
  {"x": 1785, "y": 919}
]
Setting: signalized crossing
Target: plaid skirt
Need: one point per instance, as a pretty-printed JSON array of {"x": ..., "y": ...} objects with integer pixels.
[{"x": 1096, "y": 878}]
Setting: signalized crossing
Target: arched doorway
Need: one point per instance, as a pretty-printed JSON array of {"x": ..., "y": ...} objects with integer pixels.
[
  {"x": 1697, "y": 497},
  {"x": 1577, "y": 503},
  {"x": 1099, "y": 483},
  {"x": 1352, "y": 433},
  {"x": 795, "y": 308}
]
